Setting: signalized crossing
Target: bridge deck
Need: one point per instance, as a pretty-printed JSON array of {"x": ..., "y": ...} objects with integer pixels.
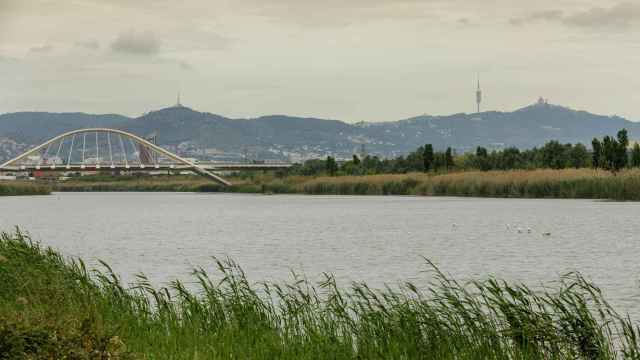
[{"x": 150, "y": 167}]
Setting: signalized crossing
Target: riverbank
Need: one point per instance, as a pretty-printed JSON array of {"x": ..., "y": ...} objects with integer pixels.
[
  {"x": 15, "y": 188},
  {"x": 564, "y": 184},
  {"x": 51, "y": 307},
  {"x": 161, "y": 183}
]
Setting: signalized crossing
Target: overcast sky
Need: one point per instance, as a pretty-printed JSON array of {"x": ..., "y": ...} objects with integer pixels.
[{"x": 352, "y": 60}]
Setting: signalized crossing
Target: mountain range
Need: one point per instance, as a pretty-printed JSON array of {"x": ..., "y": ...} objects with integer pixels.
[{"x": 195, "y": 133}]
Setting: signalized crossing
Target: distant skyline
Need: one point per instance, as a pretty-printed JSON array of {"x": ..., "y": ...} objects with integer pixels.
[{"x": 358, "y": 60}]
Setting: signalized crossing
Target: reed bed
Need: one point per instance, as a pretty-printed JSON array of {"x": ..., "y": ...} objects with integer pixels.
[
  {"x": 388, "y": 184},
  {"x": 138, "y": 183},
  {"x": 567, "y": 184},
  {"x": 51, "y": 307},
  {"x": 542, "y": 183},
  {"x": 15, "y": 188}
]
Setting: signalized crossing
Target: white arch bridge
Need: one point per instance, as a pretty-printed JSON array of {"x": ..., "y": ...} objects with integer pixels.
[{"x": 111, "y": 149}]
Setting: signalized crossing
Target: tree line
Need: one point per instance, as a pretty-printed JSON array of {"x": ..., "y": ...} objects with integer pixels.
[{"x": 609, "y": 153}]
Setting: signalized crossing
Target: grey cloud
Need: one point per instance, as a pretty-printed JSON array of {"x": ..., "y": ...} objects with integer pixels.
[
  {"x": 138, "y": 43},
  {"x": 185, "y": 65},
  {"x": 217, "y": 42},
  {"x": 618, "y": 17},
  {"x": 41, "y": 49},
  {"x": 549, "y": 15},
  {"x": 89, "y": 44},
  {"x": 340, "y": 12}
]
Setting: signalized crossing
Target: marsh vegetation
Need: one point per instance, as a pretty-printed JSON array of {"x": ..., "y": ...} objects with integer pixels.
[
  {"x": 14, "y": 188},
  {"x": 52, "y": 307},
  {"x": 542, "y": 183}
]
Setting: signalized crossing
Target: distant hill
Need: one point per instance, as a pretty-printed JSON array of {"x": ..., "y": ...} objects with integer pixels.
[
  {"x": 181, "y": 124},
  {"x": 279, "y": 136},
  {"x": 524, "y": 128},
  {"x": 36, "y": 127}
]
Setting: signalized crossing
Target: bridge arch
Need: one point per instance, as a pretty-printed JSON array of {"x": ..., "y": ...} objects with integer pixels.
[{"x": 150, "y": 151}]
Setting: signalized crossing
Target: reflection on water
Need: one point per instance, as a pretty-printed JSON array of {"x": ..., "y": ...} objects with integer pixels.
[{"x": 375, "y": 239}]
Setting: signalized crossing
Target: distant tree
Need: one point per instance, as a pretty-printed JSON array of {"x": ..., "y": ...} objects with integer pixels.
[
  {"x": 623, "y": 137},
  {"x": 482, "y": 159},
  {"x": 554, "y": 155},
  {"x": 481, "y": 152},
  {"x": 373, "y": 165},
  {"x": 428, "y": 157},
  {"x": 331, "y": 166},
  {"x": 635, "y": 155},
  {"x": 510, "y": 159},
  {"x": 610, "y": 153},
  {"x": 415, "y": 160},
  {"x": 596, "y": 155},
  {"x": 622, "y": 155},
  {"x": 352, "y": 167},
  {"x": 448, "y": 159},
  {"x": 439, "y": 160},
  {"x": 578, "y": 156},
  {"x": 309, "y": 168}
]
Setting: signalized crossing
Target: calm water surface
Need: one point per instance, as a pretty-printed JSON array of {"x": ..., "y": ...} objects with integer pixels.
[{"x": 375, "y": 239}]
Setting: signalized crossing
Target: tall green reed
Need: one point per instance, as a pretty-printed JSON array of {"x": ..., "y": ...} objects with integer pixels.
[{"x": 227, "y": 316}]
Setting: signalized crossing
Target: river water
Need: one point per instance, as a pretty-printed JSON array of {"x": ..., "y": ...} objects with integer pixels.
[{"x": 380, "y": 240}]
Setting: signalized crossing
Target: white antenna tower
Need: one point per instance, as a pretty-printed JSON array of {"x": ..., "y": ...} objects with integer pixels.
[{"x": 478, "y": 95}]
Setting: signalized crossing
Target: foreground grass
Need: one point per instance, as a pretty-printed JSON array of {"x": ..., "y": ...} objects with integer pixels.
[
  {"x": 54, "y": 308},
  {"x": 567, "y": 184},
  {"x": 14, "y": 188}
]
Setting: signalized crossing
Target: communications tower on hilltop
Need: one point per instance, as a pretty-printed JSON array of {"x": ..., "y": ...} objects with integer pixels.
[{"x": 478, "y": 96}]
